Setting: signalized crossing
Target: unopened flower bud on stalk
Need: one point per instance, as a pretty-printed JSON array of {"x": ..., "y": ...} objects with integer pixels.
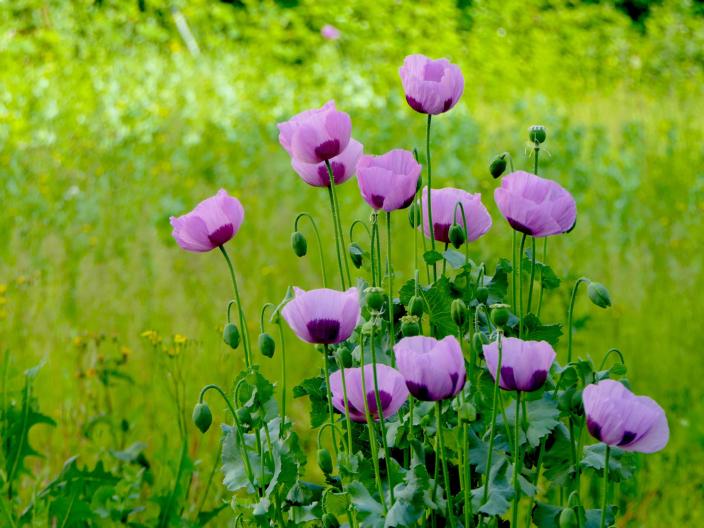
[
  {"x": 498, "y": 165},
  {"x": 499, "y": 314},
  {"x": 267, "y": 345},
  {"x": 299, "y": 244},
  {"x": 459, "y": 312},
  {"x": 457, "y": 236},
  {"x": 324, "y": 461},
  {"x": 415, "y": 306},
  {"x": 356, "y": 254},
  {"x": 202, "y": 417},
  {"x": 231, "y": 336},
  {"x": 599, "y": 295},
  {"x": 414, "y": 214},
  {"x": 375, "y": 298},
  {"x": 482, "y": 294},
  {"x": 537, "y": 134},
  {"x": 410, "y": 326},
  {"x": 568, "y": 518}
]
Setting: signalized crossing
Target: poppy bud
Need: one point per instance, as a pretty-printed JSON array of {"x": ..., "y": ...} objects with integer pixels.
[
  {"x": 299, "y": 244},
  {"x": 202, "y": 417},
  {"x": 482, "y": 294},
  {"x": 467, "y": 412},
  {"x": 456, "y": 235},
  {"x": 498, "y": 165},
  {"x": 345, "y": 356},
  {"x": 499, "y": 315},
  {"x": 330, "y": 521},
  {"x": 459, "y": 312},
  {"x": 568, "y": 518},
  {"x": 414, "y": 214},
  {"x": 324, "y": 461},
  {"x": 266, "y": 345},
  {"x": 537, "y": 134},
  {"x": 478, "y": 342},
  {"x": 375, "y": 298},
  {"x": 244, "y": 417},
  {"x": 231, "y": 336},
  {"x": 415, "y": 306},
  {"x": 356, "y": 254},
  {"x": 410, "y": 326},
  {"x": 599, "y": 295}
]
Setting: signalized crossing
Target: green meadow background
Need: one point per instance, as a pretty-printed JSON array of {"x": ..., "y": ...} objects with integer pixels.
[{"x": 109, "y": 124}]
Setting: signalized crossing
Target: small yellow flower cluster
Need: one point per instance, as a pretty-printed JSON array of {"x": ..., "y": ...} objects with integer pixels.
[{"x": 152, "y": 336}]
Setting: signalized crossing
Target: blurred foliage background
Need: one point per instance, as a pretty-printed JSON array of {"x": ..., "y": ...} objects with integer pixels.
[{"x": 110, "y": 123}]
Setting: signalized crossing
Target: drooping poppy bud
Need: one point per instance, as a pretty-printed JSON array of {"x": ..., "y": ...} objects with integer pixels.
[
  {"x": 599, "y": 295},
  {"x": 299, "y": 244},
  {"x": 324, "y": 461},
  {"x": 231, "y": 336},
  {"x": 482, "y": 294},
  {"x": 414, "y": 214},
  {"x": 498, "y": 165},
  {"x": 415, "y": 306},
  {"x": 568, "y": 518},
  {"x": 267, "y": 345},
  {"x": 459, "y": 312},
  {"x": 356, "y": 255},
  {"x": 456, "y": 235},
  {"x": 202, "y": 417}
]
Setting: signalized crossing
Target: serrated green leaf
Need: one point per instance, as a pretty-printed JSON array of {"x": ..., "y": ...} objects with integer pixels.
[
  {"x": 543, "y": 417},
  {"x": 431, "y": 257},
  {"x": 536, "y": 331},
  {"x": 315, "y": 389},
  {"x": 370, "y": 512},
  {"x": 622, "y": 464}
]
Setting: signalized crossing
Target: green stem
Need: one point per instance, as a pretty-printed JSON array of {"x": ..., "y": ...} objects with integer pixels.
[
  {"x": 283, "y": 372},
  {"x": 443, "y": 457},
  {"x": 430, "y": 187},
  {"x": 517, "y": 460},
  {"x": 604, "y": 499},
  {"x": 545, "y": 257},
  {"x": 532, "y": 276},
  {"x": 520, "y": 287},
  {"x": 570, "y": 314},
  {"x": 243, "y": 322},
  {"x": 389, "y": 271},
  {"x": 514, "y": 268},
  {"x": 347, "y": 409},
  {"x": 318, "y": 239},
  {"x": 492, "y": 430},
  {"x": 372, "y": 435},
  {"x": 468, "y": 514},
  {"x": 380, "y": 412},
  {"x": 337, "y": 237},
  {"x": 538, "y": 467},
  {"x": 329, "y": 398},
  {"x": 338, "y": 222}
]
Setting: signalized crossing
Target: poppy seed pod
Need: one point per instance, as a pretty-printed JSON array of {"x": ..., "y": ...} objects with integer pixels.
[
  {"x": 415, "y": 306},
  {"x": 202, "y": 417},
  {"x": 459, "y": 312},
  {"x": 375, "y": 298},
  {"x": 410, "y": 326},
  {"x": 267, "y": 345},
  {"x": 456, "y": 235},
  {"x": 482, "y": 294},
  {"x": 537, "y": 134},
  {"x": 356, "y": 255},
  {"x": 299, "y": 244},
  {"x": 599, "y": 295},
  {"x": 231, "y": 336},
  {"x": 499, "y": 315},
  {"x": 498, "y": 165}
]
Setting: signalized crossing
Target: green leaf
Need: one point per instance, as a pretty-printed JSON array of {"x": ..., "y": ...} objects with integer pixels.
[
  {"x": 543, "y": 273},
  {"x": 622, "y": 464},
  {"x": 546, "y": 515},
  {"x": 536, "y": 331},
  {"x": 413, "y": 496},
  {"x": 337, "y": 503},
  {"x": 500, "y": 491},
  {"x": 315, "y": 389},
  {"x": 454, "y": 258},
  {"x": 543, "y": 417},
  {"x": 431, "y": 257},
  {"x": 233, "y": 466},
  {"x": 498, "y": 284},
  {"x": 370, "y": 512},
  {"x": 593, "y": 517}
]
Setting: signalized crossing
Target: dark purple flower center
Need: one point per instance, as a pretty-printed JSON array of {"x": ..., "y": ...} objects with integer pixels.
[
  {"x": 441, "y": 232},
  {"x": 628, "y": 437},
  {"x": 508, "y": 379},
  {"x": 419, "y": 390},
  {"x": 536, "y": 380},
  {"x": 338, "y": 172},
  {"x": 323, "y": 331},
  {"x": 447, "y": 105},
  {"x": 519, "y": 226},
  {"x": 221, "y": 235},
  {"x": 384, "y": 400},
  {"x": 328, "y": 149},
  {"x": 377, "y": 200},
  {"x": 416, "y": 105},
  {"x": 594, "y": 428}
]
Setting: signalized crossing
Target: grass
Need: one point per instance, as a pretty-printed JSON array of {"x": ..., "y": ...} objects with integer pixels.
[{"x": 98, "y": 147}]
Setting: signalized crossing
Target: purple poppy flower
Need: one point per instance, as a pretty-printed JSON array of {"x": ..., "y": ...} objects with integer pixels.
[
  {"x": 392, "y": 391},
  {"x": 212, "y": 223},
  {"x": 534, "y": 205},
  {"x": 388, "y": 181},
  {"x": 343, "y": 167},
  {"x": 323, "y": 316},
  {"x": 330, "y": 32},
  {"x": 431, "y": 86},
  {"x": 619, "y": 418},
  {"x": 316, "y": 135},
  {"x": 443, "y": 204},
  {"x": 434, "y": 370},
  {"x": 524, "y": 364}
]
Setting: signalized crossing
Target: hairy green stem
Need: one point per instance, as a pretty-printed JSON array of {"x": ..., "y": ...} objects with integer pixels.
[
  {"x": 338, "y": 224},
  {"x": 492, "y": 430},
  {"x": 605, "y": 497},
  {"x": 331, "y": 413},
  {"x": 430, "y": 187},
  {"x": 443, "y": 458},
  {"x": 243, "y": 321},
  {"x": 390, "y": 275},
  {"x": 520, "y": 287},
  {"x": 318, "y": 239},
  {"x": 516, "y": 460}
]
